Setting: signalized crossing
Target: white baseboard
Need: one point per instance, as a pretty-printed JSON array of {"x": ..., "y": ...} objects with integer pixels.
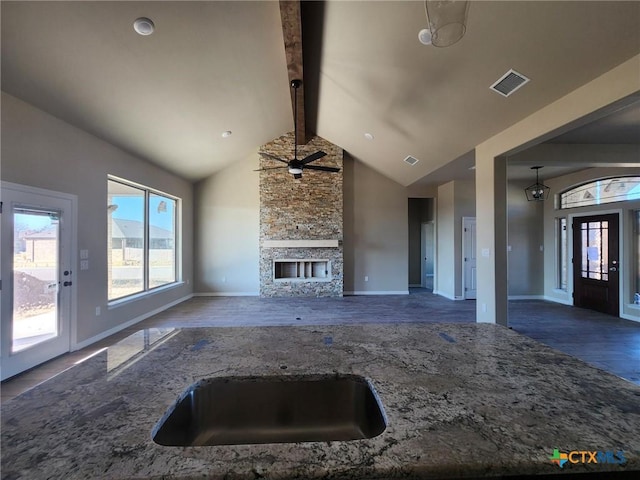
[
  {"x": 122, "y": 326},
  {"x": 526, "y": 297},
  {"x": 446, "y": 295},
  {"x": 633, "y": 318},
  {"x": 558, "y": 300},
  {"x": 227, "y": 294},
  {"x": 377, "y": 292}
]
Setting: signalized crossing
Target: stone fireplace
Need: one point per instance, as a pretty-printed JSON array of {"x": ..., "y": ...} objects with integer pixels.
[{"x": 301, "y": 223}]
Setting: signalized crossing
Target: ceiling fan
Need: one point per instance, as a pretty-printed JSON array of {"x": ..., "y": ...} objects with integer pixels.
[{"x": 296, "y": 166}]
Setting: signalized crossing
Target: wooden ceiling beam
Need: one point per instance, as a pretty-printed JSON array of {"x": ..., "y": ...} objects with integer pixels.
[{"x": 292, "y": 32}]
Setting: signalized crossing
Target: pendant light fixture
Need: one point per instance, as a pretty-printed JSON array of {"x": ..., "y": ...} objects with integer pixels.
[
  {"x": 447, "y": 21},
  {"x": 537, "y": 192}
]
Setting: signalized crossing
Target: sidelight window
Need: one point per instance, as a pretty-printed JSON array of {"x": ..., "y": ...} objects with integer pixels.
[
  {"x": 141, "y": 231},
  {"x": 636, "y": 243},
  {"x": 561, "y": 226}
]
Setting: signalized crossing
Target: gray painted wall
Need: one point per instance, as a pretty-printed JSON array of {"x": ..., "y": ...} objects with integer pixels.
[
  {"x": 445, "y": 247},
  {"x": 227, "y": 222},
  {"x": 42, "y": 151},
  {"x": 525, "y": 237},
  {"x": 375, "y": 231},
  {"x": 227, "y": 226},
  {"x": 455, "y": 200}
]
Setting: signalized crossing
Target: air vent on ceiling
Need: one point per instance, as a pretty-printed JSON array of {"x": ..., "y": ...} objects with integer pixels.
[
  {"x": 411, "y": 160},
  {"x": 509, "y": 83}
]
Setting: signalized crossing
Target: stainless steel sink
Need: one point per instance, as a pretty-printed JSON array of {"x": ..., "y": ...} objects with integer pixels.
[{"x": 273, "y": 409}]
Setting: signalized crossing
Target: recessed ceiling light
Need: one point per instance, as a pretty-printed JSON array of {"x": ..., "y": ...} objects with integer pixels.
[
  {"x": 144, "y": 26},
  {"x": 368, "y": 136},
  {"x": 226, "y": 134}
]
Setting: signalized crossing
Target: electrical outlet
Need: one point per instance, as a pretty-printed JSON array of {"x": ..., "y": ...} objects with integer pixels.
[
  {"x": 97, "y": 311},
  {"x": 366, "y": 278}
]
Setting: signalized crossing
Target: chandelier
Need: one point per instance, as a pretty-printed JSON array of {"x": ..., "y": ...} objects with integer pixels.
[{"x": 537, "y": 192}]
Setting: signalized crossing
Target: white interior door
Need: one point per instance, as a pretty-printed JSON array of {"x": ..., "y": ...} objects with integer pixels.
[
  {"x": 469, "y": 257},
  {"x": 37, "y": 278},
  {"x": 428, "y": 255}
]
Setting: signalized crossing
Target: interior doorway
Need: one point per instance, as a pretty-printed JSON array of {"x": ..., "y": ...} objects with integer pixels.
[
  {"x": 421, "y": 251},
  {"x": 596, "y": 278},
  {"x": 37, "y": 241},
  {"x": 428, "y": 255}
]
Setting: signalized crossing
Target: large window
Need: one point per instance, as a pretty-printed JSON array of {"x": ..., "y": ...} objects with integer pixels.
[
  {"x": 602, "y": 191},
  {"x": 141, "y": 232}
]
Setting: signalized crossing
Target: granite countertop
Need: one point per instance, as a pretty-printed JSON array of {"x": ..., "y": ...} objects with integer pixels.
[{"x": 472, "y": 400}]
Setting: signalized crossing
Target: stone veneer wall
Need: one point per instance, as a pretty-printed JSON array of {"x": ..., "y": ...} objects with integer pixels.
[{"x": 309, "y": 208}]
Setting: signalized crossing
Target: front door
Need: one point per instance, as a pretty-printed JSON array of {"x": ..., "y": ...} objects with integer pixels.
[
  {"x": 36, "y": 277},
  {"x": 596, "y": 263}
]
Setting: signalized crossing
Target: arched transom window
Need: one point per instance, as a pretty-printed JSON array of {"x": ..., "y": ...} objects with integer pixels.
[{"x": 598, "y": 192}]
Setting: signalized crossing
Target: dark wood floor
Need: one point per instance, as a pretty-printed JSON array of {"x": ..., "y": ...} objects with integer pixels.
[{"x": 606, "y": 342}]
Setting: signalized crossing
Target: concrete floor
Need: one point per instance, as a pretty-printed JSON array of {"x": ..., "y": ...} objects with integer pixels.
[{"x": 606, "y": 342}]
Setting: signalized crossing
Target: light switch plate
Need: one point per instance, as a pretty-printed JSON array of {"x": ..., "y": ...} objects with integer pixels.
[
  {"x": 84, "y": 264},
  {"x": 84, "y": 254}
]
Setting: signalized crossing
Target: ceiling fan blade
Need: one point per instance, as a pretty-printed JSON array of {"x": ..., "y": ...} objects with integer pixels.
[
  {"x": 312, "y": 157},
  {"x": 272, "y": 157},
  {"x": 269, "y": 168},
  {"x": 297, "y": 175},
  {"x": 320, "y": 167}
]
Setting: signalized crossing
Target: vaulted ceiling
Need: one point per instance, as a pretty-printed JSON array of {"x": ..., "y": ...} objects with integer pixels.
[{"x": 217, "y": 66}]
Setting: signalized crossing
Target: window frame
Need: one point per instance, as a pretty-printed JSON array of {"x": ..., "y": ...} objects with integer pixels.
[{"x": 177, "y": 241}]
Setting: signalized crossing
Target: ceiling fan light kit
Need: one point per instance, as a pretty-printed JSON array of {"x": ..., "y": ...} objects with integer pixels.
[
  {"x": 295, "y": 166},
  {"x": 447, "y": 21}
]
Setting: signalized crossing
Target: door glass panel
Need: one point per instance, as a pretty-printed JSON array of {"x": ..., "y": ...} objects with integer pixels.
[
  {"x": 595, "y": 250},
  {"x": 35, "y": 277}
]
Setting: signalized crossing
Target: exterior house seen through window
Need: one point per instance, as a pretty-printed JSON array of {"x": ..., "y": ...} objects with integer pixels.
[{"x": 141, "y": 229}]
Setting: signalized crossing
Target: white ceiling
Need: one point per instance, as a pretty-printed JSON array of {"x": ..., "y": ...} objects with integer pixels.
[{"x": 216, "y": 66}]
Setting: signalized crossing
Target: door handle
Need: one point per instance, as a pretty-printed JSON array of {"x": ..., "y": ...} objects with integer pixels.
[
  {"x": 613, "y": 269},
  {"x": 67, "y": 284}
]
